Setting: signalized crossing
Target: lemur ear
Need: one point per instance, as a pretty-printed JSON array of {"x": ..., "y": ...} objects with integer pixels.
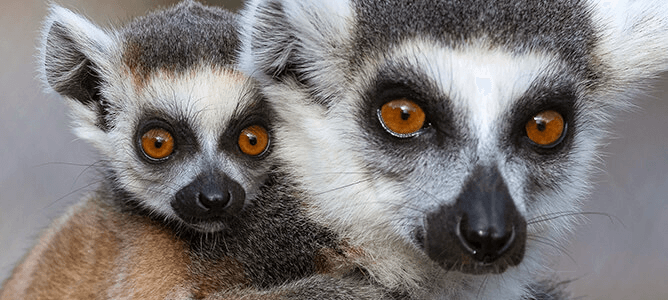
[
  {"x": 634, "y": 37},
  {"x": 73, "y": 52},
  {"x": 295, "y": 39}
]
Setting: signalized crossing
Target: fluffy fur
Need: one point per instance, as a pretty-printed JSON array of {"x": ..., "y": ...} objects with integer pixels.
[
  {"x": 480, "y": 70},
  {"x": 174, "y": 69}
]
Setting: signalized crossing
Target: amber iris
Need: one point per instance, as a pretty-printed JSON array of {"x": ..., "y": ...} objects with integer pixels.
[
  {"x": 402, "y": 117},
  {"x": 546, "y": 128},
  {"x": 157, "y": 143},
  {"x": 253, "y": 140}
]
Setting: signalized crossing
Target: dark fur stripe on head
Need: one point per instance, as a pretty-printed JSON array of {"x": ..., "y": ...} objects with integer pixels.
[
  {"x": 557, "y": 26},
  {"x": 180, "y": 37}
]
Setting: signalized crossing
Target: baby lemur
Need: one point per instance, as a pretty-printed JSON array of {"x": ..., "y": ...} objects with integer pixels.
[
  {"x": 189, "y": 205},
  {"x": 450, "y": 140}
]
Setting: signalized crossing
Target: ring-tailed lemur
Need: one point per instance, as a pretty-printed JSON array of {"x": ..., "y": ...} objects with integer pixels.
[
  {"x": 450, "y": 141},
  {"x": 188, "y": 205}
]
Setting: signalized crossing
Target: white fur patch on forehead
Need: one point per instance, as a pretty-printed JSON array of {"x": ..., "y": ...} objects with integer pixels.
[
  {"x": 481, "y": 82},
  {"x": 207, "y": 96}
]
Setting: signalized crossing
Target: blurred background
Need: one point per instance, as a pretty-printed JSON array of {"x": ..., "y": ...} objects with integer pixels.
[{"x": 44, "y": 168}]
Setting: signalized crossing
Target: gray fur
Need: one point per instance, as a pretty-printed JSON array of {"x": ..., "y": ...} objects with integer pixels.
[
  {"x": 180, "y": 37},
  {"x": 480, "y": 70},
  {"x": 562, "y": 26},
  {"x": 277, "y": 247},
  {"x": 106, "y": 72},
  {"x": 149, "y": 72},
  {"x": 174, "y": 39}
]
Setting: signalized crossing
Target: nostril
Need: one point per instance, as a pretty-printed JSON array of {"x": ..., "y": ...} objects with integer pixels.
[
  {"x": 470, "y": 239},
  {"x": 213, "y": 200},
  {"x": 484, "y": 243},
  {"x": 202, "y": 202}
]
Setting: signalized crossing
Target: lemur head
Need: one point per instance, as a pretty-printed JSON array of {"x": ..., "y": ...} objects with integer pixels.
[
  {"x": 183, "y": 135},
  {"x": 459, "y": 134}
]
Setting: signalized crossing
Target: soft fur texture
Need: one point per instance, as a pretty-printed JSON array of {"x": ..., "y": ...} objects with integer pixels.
[
  {"x": 174, "y": 68},
  {"x": 480, "y": 70}
]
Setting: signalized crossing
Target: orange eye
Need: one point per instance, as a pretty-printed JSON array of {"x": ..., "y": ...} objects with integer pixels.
[
  {"x": 402, "y": 117},
  {"x": 157, "y": 143},
  {"x": 546, "y": 128},
  {"x": 253, "y": 140}
]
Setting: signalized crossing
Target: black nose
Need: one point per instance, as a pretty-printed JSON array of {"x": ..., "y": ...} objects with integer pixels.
[
  {"x": 482, "y": 231},
  {"x": 210, "y": 196},
  {"x": 488, "y": 216},
  {"x": 485, "y": 243}
]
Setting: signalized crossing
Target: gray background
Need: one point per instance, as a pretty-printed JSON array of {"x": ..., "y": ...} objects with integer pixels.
[{"x": 43, "y": 167}]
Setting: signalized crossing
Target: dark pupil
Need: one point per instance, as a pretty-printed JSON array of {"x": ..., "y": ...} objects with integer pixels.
[
  {"x": 405, "y": 114},
  {"x": 252, "y": 139},
  {"x": 540, "y": 125},
  {"x": 158, "y": 142}
]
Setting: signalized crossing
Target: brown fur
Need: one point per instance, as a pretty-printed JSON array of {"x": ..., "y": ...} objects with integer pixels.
[
  {"x": 96, "y": 252},
  {"x": 338, "y": 263},
  {"x": 111, "y": 246},
  {"x": 131, "y": 60},
  {"x": 78, "y": 259}
]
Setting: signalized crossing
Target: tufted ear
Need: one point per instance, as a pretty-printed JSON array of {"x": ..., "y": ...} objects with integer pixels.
[
  {"x": 74, "y": 52},
  {"x": 304, "y": 40},
  {"x": 634, "y": 37}
]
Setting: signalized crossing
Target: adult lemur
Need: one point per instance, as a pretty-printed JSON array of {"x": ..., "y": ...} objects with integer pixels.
[
  {"x": 188, "y": 205},
  {"x": 450, "y": 141}
]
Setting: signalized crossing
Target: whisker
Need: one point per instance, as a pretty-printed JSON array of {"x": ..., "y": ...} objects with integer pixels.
[
  {"x": 61, "y": 163},
  {"x": 344, "y": 173},
  {"x": 553, "y": 244},
  {"x": 342, "y": 187},
  {"x": 95, "y": 164},
  {"x": 482, "y": 285},
  {"x": 71, "y": 193},
  {"x": 557, "y": 215}
]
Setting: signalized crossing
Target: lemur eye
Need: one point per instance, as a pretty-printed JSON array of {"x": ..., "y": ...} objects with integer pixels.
[
  {"x": 401, "y": 117},
  {"x": 157, "y": 143},
  {"x": 253, "y": 140},
  {"x": 546, "y": 129}
]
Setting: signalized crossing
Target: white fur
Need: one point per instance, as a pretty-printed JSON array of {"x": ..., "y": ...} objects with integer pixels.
[
  {"x": 634, "y": 40},
  {"x": 328, "y": 152},
  {"x": 97, "y": 43},
  {"x": 326, "y": 159},
  {"x": 481, "y": 81},
  {"x": 205, "y": 96},
  {"x": 318, "y": 32}
]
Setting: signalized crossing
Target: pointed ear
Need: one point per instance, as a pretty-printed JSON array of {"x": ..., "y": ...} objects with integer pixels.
[
  {"x": 72, "y": 55},
  {"x": 304, "y": 40},
  {"x": 634, "y": 37}
]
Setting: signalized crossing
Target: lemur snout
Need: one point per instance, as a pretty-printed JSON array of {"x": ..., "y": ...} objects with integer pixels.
[
  {"x": 485, "y": 243},
  {"x": 209, "y": 197},
  {"x": 482, "y": 232}
]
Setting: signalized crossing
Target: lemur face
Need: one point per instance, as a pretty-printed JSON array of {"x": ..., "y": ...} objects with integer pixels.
[
  {"x": 458, "y": 153},
  {"x": 183, "y": 136},
  {"x": 475, "y": 146},
  {"x": 459, "y": 134},
  {"x": 190, "y": 147}
]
